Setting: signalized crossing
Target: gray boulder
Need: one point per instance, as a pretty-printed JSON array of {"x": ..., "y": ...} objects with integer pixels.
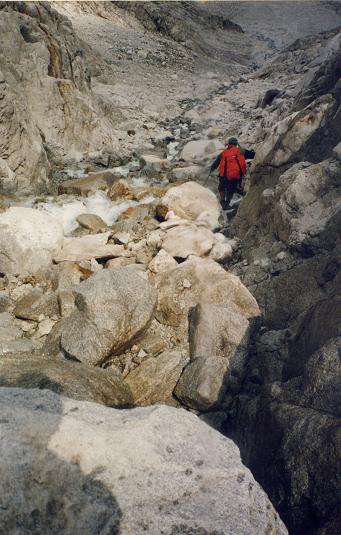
[
  {"x": 153, "y": 381},
  {"x": 73, "y": 467},
  {"x": 36, "y": 303},
  {"x": 11, "y": 337},
  {"x": 92, "y": 222},
  {"x": 72, "y": 379},
  {"x": 113, "y": 307},
  {"x": 202, "y": 385},
  {"x": 218, "y": 331}
]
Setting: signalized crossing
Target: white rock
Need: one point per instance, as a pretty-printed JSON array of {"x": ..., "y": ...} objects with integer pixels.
[
  {"x": 221, "y": 252},
  {"x": 45, "y": 327},
  {"x": 281, "y": 255},
  {"x": 154, "y": 239},
  {"x": 193, "y": 115},
  {"x": 267, "y": 193},
  {"x": 122, "y": 237},
  {"x": 111, "y": 471},
  {"x": 153, "y": 164},
  {"x": 29, "y": 239},
  {"x": 186, "y": 173},
  {"x": 185, "y": 240},
  {"x": 201, "y": 149},
  {"x": 162, "y": 262},
  {"x": 209, "y": 283},
  {"x": 190, "y": 201},
  {"x": 88, "y": 247}
]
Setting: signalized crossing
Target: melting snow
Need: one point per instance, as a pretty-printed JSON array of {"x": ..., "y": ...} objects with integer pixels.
[{"x": 66, "y": 212}]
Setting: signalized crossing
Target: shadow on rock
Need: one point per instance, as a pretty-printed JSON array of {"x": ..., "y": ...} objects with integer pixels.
[{"x": 40, "y": 492}]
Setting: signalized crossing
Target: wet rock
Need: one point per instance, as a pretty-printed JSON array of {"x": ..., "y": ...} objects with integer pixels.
[
  {"x": 153, "y": 381},
  {"x": 88, "y": 247},
  {"x": 148, "y": 442},
  {"x": 190, "y": 201},
  {"x": 74, "y": 380},
  {"x": 201, "y": 385},
  {"x": 88, "y": 184},
  {"x": 36, "y": 303},
  {"x": 29, "y": 239},
  {"x": 113, "y": 308},
  {"x": 92, "y": 222},
  {"x": 140, "y": 212},
  {"x": 121, "y": 190}
]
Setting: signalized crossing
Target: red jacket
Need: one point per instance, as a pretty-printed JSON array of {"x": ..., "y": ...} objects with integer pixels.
[{"x": 232, "y": 164}]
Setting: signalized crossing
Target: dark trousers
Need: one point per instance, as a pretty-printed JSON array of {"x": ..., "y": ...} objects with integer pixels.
[{"x": 226, "y": 190}]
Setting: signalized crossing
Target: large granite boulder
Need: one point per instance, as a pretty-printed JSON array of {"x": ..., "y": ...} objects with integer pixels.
[
  {"x": 70, "y": 467},
  {"x": 29, "y": 239},
  {"x": 200, "y": 280},
  {"x": 218, "y": 347},
  {"x": 113, "y": 307},
  {"x": 189, "y": 239},
  {"x": 72, "y": 379},
  {"x": 216, "y": 330},
  {"x": 191, "y": 201}
]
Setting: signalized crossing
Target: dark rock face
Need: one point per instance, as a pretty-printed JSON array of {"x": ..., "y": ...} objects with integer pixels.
[
  {"x": 293, "y": 444},
  {"x": 287, "y": 422}
]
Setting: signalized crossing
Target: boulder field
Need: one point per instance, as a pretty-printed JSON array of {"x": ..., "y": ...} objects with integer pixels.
[{"x": 133, "y": 312}]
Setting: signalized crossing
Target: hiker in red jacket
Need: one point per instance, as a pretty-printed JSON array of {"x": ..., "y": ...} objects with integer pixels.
[{"x": 232, "y": 169}]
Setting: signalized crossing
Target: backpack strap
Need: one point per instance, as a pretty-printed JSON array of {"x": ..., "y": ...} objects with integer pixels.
[{"x": 240, "y": 167}]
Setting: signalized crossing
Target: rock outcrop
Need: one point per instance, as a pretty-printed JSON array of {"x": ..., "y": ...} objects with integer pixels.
[
  {"x": 69, "y": 465},
  {"x": 285, "y": 415},
  {"x": 39, "y": 133},
  {"x": 191, "y": 200}
]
